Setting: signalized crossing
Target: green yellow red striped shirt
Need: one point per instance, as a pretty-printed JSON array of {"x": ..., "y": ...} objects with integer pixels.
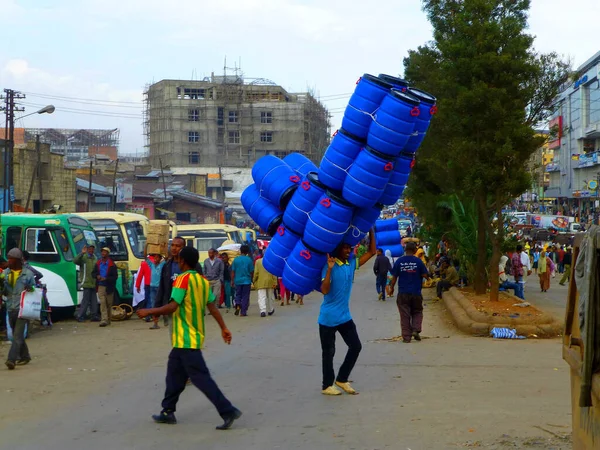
[{"x": 192, "y": 293}]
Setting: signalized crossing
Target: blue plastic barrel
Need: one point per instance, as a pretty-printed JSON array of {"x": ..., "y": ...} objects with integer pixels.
[
  {"x": 303, "y": 268},
  {"x": 367, "y": 178},
  {"x": 263, "y": 212},
  {"x": 276, "y": 180},
  {"x": 391, "y": 194},
  {"x": 362, "y": 221},
  {"x": 388, "y": 238},
  {"x": 414, "y": 142},
  {"x": 394, "y": 122},
  {"x": 427, "y": 109},
  {"x": 328, "y": 222},
  {"x": 396, "y": 250},
  {"x": 279, "y": 249},
  {"x": 395, "y": 188},
  {"x": 353, "y": 236},
  {"x": 303, "y": 201},
  {"x": 300, "y": 163},
  {"x": 367, "y": 97},
  {"x": 386, "y": 225},
  {"x": 397, "y": 83},
  {"x": 338, "y": 158}
]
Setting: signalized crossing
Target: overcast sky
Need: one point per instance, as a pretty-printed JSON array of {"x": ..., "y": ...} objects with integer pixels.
[{"x": 99, "y": 54}]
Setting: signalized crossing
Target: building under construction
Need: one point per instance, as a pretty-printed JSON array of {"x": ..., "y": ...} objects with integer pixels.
[{"x": 229, "y": 121}]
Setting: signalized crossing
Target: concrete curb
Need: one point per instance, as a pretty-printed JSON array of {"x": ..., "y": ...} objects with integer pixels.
[{"x": 469, "y": 320}]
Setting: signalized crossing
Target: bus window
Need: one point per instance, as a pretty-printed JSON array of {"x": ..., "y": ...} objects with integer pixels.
[
  {"x": 137, "y": 238},
  {"x": 63, "y": 243},
  {"x": 205, "y": 244},
  {"x": 82, "y": 238},
  {"x": 13, "y": 238},
  {"x": 38, "y": 243}
]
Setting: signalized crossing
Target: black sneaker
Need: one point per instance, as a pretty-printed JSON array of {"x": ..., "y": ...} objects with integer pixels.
[
  {"x": 263, "y": 314},
  {"x": 406, "y": 341},
  {"x": 237, "y": 311},
  {"x": 23, "y": 362},
  {"x": 80, "y": 320},
  {"x": 167, "y": 417},
  {"x": 417, "y": 336},
  {"x": 229, "y": 419},
  {"x": 272, "y": 312},
  {"x": 10, "y": 364}
]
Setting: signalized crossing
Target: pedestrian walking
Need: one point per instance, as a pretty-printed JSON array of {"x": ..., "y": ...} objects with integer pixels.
[
  {"x": 169, "y": 273},
  {"x": 86, "y": 261},
  {"x": 264, "y": 282},
  {"x": 536, "y": 259},
  {"x": 105, "y": 273},
  {"x": 545, "y": 269},
  {"x": 520, "y": 269},
  {"x": 190, "y": 296},
  {"x": 284, "y": 293},
  {"x": 17, "y": 279},
  {"x": 150, "y": 269},
  {"x": 144, "y": 274},
  {"x": 242, "y": 272},
  {"x": 561, "y": 256},
  {"x": 227, "y": 293},
  {"x": 567, "y": 261},
  {"x": 214, "y": 272},
  {"x": 409, "y": 271},
  {"x": 381, "y": 267},
  {"x": 336, "y": 286}
]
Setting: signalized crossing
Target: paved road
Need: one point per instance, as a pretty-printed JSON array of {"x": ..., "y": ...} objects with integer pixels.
[
  {"x": 441, "y": 393},
  {"x": 554, "y": 301}
]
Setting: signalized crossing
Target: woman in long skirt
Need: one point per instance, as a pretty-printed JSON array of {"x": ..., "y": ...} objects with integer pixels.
[{"x": 544, "y": 271}]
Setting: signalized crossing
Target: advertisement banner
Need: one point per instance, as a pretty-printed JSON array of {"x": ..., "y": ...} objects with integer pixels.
[{"x": 124, "y": 193}]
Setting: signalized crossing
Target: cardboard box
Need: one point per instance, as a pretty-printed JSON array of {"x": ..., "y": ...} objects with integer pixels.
[
  {"x": 153, "y": 249},
  {"x": 159, "y": 228},
  {"x": 157, "y": 239}
]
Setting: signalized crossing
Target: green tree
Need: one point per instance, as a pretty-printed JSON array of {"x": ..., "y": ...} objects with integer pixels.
[{"x": 492, "y": 89}]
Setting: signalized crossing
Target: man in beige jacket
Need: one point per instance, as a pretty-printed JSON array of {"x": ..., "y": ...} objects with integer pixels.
[{"x": 264, "y": 283}]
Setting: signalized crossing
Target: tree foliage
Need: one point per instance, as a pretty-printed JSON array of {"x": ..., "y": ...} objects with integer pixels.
[{"x": 492, "y": 87}]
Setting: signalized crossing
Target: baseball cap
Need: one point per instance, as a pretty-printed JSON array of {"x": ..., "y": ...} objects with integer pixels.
[{"x": 15, "y": 253}]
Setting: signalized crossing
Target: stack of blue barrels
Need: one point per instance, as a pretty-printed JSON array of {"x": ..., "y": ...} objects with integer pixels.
[
  {"x": 310, "y": 212},
  {"x": 388, "y": 237}
]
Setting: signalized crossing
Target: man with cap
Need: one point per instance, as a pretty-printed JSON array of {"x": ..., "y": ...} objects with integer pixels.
[
  {"x": 86, "y": 260},
  {"x": 105, "y": 273},
  {"x": 16, "y": 280}
]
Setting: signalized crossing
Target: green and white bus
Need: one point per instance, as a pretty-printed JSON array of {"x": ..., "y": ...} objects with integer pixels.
[{"x": 53, "y": 241}]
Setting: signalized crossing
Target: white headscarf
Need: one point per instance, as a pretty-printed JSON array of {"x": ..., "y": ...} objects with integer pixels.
[
  {"x": 502, "y": 268},
  {"x": 388, "y": 254}
]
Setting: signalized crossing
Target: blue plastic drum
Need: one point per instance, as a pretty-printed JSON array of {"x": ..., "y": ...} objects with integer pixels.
[
  {"x": 397, "y": 83},
  {"x": 328, "y": 223},
  {"x": 276, "y": 180},
  {"x": 302, "y": 272},
  {"x": 386, "y": 225},
  {"x": 264, "y": 213},
  {"x": 388, "y": 238},
  {"x": 338, "y": 158},
  {"x": 300, "y": 163},
  {"x": 279, "y": 249},
  {"x": 367, "y": 178},
  {"x": 303, "y": 201},
  {"x": 367, "y": 97},
  {"x": 427, "y": 109}
]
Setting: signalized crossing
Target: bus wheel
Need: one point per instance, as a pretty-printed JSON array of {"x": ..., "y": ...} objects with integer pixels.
[{"x": 64, "y": 313}]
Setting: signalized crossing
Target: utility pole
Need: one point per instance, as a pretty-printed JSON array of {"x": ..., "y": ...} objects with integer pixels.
[
  {"x": 222, "y": 194},
  {"x": 9, "y": 135},
  {"x": 162, "y": 174},
  {"x": 34, "y": 172},
  {"x": 114, "y": 186},
  {"x": 39, "y": 174}
]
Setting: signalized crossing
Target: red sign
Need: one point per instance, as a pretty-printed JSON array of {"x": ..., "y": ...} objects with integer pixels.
[{"x": 556, "y": 132}]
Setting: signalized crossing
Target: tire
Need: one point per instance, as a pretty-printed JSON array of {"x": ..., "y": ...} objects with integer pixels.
[{"x": 64, "y": 313}]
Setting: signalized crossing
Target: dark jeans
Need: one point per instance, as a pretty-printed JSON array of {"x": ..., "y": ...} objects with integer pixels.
[
  {"x": 442, "y": 286},
  {"x": 350, "y": 336},
  {"x": 381, "y": 283},
  {"x": 189, "y": 363},
  {"x": 89, "y": 301},
  {"x": 18, "y": 350},
  {"x": 242, "y": 297},
  {"x": 410, "y": 307}
]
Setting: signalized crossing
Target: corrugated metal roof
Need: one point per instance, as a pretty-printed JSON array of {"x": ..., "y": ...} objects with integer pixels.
[
  {"x": 197, "y": 198},
  {"x": 84, "y": 185}
]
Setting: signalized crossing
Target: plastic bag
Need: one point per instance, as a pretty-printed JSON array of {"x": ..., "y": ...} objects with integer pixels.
[{"x": 31, "y": 305}]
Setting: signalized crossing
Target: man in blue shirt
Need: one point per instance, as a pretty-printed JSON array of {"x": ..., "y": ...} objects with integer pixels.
[
  {"x": 336, "y": 286},
  {"x": 409, "y": 271},
  {"x": 242, "y": 272}
]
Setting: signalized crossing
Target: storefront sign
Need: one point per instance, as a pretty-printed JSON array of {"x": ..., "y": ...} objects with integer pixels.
[
  {"x": 581, "y": 81},
  {"x": 588, "y": 160},
  {"x": 582, "y": 194}
]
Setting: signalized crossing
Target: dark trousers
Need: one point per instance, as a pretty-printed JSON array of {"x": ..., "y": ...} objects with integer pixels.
[
  {"x": 350, "y": 336},
  {"x": 242, "y": 297},
  {"x": 410, "y": 307},
  {"x": 89, "y": 301},
  {"x": 381, "y": 283},
  {"x": 442, "y": 286},
  {"x": 18, "y": 350},
  {"x": 187, "y": 363}
]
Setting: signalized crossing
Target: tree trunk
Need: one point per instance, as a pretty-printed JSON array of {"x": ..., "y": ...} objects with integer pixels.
[{"x": 479, "y": 283}]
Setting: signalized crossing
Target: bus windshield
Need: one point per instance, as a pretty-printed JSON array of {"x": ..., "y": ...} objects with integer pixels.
[
  {"x": 83, "y": 238},
  {"x": 136, "y": 237},
  {"x": 110, "y": 236},
  {"x": 206, "y": 243}
]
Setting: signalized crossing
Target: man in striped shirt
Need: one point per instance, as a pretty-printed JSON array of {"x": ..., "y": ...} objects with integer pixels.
[{"x": 190, "y": 296}]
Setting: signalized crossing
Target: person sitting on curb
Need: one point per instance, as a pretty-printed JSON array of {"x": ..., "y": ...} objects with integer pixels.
[
  {"x": 505, "y": 283},
  {"x": 450, "y": 278}
]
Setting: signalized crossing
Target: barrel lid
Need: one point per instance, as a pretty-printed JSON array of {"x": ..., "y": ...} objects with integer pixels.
[
  {"x": 352, "y": 136},
  {"x": 423, "y": 96},
  {"x": 378, "y": 81},
  {"x": 406, "y": 155},
  {"x": 313, "y": 177},
  {"x": 379, "y": 154},
  {"x": 405, "y": 96},
  {"x": 395, "y": 81},
  {"x": 337, "y": 196}
]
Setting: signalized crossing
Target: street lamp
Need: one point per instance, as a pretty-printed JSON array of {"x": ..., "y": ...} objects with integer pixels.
[{"x": 8, "y": 157}]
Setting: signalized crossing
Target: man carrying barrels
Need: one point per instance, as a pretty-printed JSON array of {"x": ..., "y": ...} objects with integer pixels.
[{"x": 336, "y": 286}]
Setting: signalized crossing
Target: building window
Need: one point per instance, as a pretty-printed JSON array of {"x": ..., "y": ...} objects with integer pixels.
[
  {"x": 191, "y": 94},
  {"x": 280, "y": 155},
  {"x": 220, "y": 114},
  {"x": 266, "y": 136},
  {"x": 234, "y": 137},
  {"x": 266, "y": 117},
  {"x": 194, "y": 157},
  {"x": 193, "y": 115},
  {"x": 193, "y": 136},
  {"x": 233, "y": 117},
  {"x": 220, "y": 136}
]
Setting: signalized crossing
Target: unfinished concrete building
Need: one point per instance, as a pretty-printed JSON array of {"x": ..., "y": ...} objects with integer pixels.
[{"x": 228, "y": 121}]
